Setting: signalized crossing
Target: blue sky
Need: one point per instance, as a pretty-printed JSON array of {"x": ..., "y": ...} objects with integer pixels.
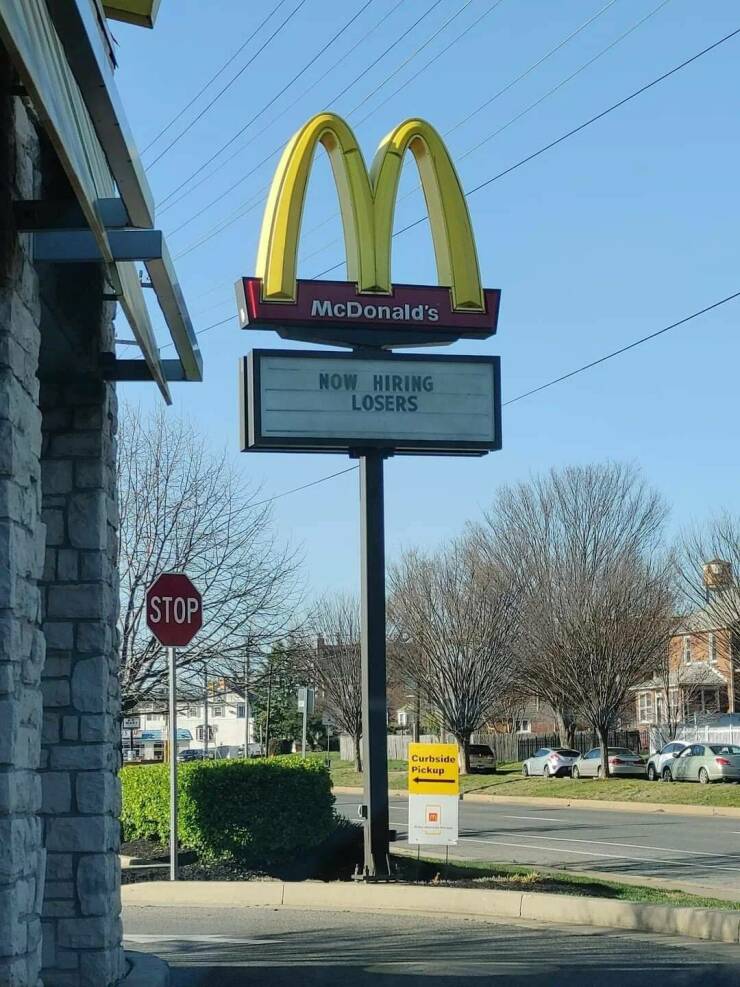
[{"x": 619, "y": 231}]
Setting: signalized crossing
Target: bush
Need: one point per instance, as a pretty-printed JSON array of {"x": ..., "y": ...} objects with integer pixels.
[{"x": 261, "y": 813}]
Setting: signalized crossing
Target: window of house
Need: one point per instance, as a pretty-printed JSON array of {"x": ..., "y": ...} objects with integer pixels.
[
  {"x": 217, "y": 710},
  {"x": 193, "y": 712},
  {"x": 153, "y": 717},
  {"x": 200, "y": 733},
  {"x": 645, "y": 707},
  {"x": 402, "y": 717},
  {"x": 687, "y": 649},
  {"x": 241, "y": 710},
  {"x": 712, "y": 647},
  {"x": 522, "y": 726}
]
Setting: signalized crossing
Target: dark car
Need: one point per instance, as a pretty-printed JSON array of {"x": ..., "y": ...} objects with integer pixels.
[
  {"x": 482, "y": 758},
  {"x": 190, "y": 755}
]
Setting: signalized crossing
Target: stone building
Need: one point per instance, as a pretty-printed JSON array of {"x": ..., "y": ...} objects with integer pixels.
[{"x": 75, "y": 216}]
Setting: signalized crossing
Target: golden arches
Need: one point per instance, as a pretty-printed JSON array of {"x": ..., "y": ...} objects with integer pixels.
[{"x": 367, "y": 205}]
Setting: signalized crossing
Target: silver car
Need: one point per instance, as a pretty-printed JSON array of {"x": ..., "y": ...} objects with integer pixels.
[
  {"x": 622, "y": 763},
  {"x": 551, "y": 762},
  {"x": 665, "y": 755},
  {"x": 705, "y": 763}
]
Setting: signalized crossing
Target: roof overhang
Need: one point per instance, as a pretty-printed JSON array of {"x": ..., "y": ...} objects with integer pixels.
[
  {"x": 61, "y": 52},
  {"x": 143, "y": 13}
]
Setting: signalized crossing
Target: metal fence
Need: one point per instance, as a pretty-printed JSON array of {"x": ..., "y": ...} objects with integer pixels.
[
  {"x": 509, "y": 746},
  {"x": 692, "y": 733}
]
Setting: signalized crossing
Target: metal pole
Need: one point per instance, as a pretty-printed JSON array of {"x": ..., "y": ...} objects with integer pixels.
[
  {"x": 246, "y": 703},
  {"x": 269, "y": 705},
  {"x": 374, "y": 721},
  {"x": 305, "y": 718},
  {"x": 205, "y": 710},
  {"x": 173, "y": 765}
]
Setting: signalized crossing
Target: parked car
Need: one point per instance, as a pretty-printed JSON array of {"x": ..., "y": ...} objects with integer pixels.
[
  {"x": 483, "y": 758},
  {"x": 622, "y": 763},
  {"x": 552, "y": 762},
  {"x": 190, "y": 755},
  {"x": 705, "y": 763},
  {"x": 658, "y": 760}
]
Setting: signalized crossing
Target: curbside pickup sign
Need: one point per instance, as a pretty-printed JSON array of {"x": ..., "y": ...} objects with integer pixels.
[
  {"x": 434, "y": 794},
  {"x": 433, "y": 769}
]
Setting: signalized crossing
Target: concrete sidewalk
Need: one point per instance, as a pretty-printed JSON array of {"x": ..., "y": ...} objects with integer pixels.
[{"x": 695, "y": 923}]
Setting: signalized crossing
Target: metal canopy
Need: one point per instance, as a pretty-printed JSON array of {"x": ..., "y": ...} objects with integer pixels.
[{"x": 60, "y": 52}]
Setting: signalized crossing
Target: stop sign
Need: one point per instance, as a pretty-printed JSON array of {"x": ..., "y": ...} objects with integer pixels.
[{"x": 174, "y": 609}]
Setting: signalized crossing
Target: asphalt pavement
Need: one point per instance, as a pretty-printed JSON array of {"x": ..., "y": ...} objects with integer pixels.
[
  {"x": 696, "y": 850},
  {"x": 227, "y": 947}
]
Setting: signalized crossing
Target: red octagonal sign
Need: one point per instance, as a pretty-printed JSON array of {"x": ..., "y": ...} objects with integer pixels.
[{"x": 174, "y": 609}]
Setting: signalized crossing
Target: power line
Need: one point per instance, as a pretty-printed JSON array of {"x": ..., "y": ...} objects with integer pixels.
[
  {"x": 565, "y": 136},
  {"x": 305, "y": 486},
  {"x": 219, "y": 94},
  {"x": 412, "y": 56},
  {"x": 214, "y": 77},
  {"x": 242, "y": 148},
  {"x": 431, "y": 61},
  {"x": 277, "y": 96},
  {"x": 623, "y": 349},
  {"x": 334, "y": 99}
]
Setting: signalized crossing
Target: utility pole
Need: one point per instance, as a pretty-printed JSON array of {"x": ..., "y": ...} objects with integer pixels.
[
  {"x": 269, "y": 704},
  {"x": 205, "y": 710},
  {"x": 246, "y": 703}
]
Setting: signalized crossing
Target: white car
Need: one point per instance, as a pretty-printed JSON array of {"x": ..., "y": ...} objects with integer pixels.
[
  {"x": 661, "y": 758},
  {"x": 551, "y": 762}
]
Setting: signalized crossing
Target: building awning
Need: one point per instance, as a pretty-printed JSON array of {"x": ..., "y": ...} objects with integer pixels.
[{"x": 61, "y": 50}]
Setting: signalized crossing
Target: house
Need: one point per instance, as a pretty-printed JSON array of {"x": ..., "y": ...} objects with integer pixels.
[
  {"x": 224, "y": 709},
  {"x": 700, "y": 676}
]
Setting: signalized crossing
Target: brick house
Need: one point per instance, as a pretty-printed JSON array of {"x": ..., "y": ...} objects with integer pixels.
[{"x": 701, "y": 671}]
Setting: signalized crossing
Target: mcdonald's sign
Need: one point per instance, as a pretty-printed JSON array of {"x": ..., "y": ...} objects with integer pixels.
[{"x": 458, "y": 306}]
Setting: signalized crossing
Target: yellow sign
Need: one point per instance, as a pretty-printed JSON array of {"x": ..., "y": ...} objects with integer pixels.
[
  {"x": 433, "y": 769},
  {"x": 367, "y": 204}
]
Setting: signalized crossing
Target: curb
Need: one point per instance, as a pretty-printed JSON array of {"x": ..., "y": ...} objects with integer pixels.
[
  {"x": 667, "y": 808},
  {"x": 694, "y": 923},
  {"x": 145, "y": 970}
]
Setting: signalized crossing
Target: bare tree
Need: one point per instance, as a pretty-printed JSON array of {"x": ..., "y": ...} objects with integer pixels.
[
  {"x": 330, "y": 657},
  {"x": 455, "y": 616},
  {"x": 708, "y": 566},
  {"x": 184, "y": 508},
  {"x": 583, "y": 545}
]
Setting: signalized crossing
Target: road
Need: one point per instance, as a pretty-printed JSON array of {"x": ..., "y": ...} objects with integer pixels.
[
  {"x": 284, "y": 948},
  {"x": 699, "y": 850}
]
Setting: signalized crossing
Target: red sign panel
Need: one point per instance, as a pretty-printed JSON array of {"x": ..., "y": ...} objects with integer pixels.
[
  {"x": 338, "y": 303},
  {"x": 174, "y": 609}
]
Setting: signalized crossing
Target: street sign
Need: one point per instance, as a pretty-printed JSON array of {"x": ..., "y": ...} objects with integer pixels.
[
  {"x": 131, "y": 722},
  {"x": 433, "y": 769},
  {"x": 306, "y": 699},
  {"x": 174, "y": 609},
  {"x": 433, "y": 819},
  {"x": 316, "y": 401}
]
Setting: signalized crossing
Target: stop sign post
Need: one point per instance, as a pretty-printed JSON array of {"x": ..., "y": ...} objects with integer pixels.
[{"x": 174, "y": 615}]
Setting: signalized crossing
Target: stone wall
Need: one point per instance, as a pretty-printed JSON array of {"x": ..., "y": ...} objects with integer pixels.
[
  {"x": 21, "y": 564},
  {"x": 81, "y": 735},
  {"x": 59, "y": 696}
]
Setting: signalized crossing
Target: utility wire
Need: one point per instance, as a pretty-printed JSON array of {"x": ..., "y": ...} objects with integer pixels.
[
  {"x": 623, "y": 349},
  {"x": 219, "y": 94},
  {"x": 242, "y": 147},
  {"x": 213, "y": 78},
  {"x": 568, "y": 134},
  {"x": 274, "y": 99},
  {"x": 337, "y": 97},
  {"x": 411, "y": 57},
  {"x": 431, "y": 61}
]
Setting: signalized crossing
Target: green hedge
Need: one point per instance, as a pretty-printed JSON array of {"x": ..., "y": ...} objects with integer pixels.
[{"x": 261, "y": 813}]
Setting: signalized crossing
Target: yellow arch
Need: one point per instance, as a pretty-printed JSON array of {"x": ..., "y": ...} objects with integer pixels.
[{"x": 367, "y": 205}]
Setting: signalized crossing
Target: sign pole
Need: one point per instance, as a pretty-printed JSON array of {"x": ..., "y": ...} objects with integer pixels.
[
  {"x": 305, "y": 717},
  {"x": 173, "y": 765},
  {"x": 374, "y": 722}
]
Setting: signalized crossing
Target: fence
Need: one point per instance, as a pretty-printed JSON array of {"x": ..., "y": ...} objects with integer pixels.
[
  {"x": 510, "y": 746},
  {"x": 691, "y": 733}
]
